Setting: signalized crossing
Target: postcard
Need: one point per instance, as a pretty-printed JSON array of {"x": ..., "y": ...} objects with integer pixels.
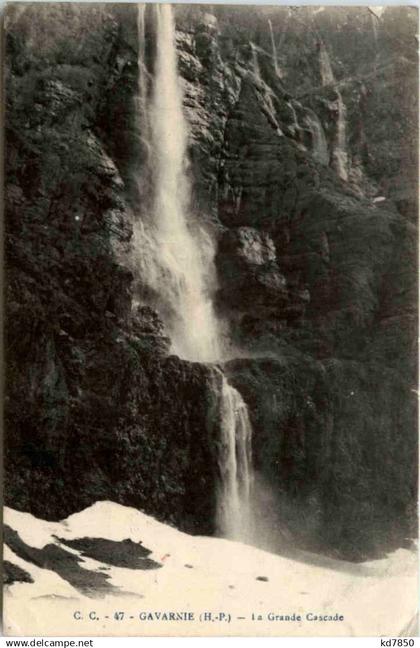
[{"x": 210, "y": 320}]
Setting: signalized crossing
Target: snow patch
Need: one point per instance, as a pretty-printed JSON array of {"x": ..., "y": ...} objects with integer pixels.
[{"x": 200, "y": 573}]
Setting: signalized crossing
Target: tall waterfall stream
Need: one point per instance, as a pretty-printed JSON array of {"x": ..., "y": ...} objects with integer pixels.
[
  {"x": 175, "y": 258},
  {"x": 339, "y": 160}
]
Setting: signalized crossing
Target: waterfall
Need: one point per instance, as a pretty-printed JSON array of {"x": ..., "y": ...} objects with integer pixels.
[
  {"x": 327, "y": 75},
  {"x": 274, "y": 50},
  {"x": 339, "y": 161},
  {"x": 141, "y": 31},
  {"x": 176, "y": 260},
  {"x": 234, "y": 518},
  {"x": 143, "y": 183},
  {"x": 255, "y": 64},
  {"x": 339, "y": 156},
  {"x": 374, "y": 17},
  {"x": 319, "y": 141}
]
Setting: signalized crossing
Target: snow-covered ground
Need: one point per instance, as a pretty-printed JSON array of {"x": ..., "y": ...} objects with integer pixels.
[{"x": 240, "y": 588}]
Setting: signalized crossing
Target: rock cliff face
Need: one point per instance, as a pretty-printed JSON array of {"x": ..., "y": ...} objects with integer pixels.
[
  {"x": 313, "y": 271},
  {"x": 94, "y": 406},
  {"x": 316, "y": 274}
]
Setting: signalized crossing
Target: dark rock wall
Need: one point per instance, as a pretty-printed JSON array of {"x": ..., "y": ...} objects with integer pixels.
[
  {"x": 94, "y": 407},
  {"x": 313, "y": 273},
  {"x": 317, "y": 281}
]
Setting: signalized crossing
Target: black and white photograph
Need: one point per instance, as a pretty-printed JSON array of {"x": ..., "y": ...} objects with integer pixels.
[{"x": 210, "y": 320}]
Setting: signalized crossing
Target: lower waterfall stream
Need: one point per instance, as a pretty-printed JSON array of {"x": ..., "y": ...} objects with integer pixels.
[{"x": 235, "y": 515}]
